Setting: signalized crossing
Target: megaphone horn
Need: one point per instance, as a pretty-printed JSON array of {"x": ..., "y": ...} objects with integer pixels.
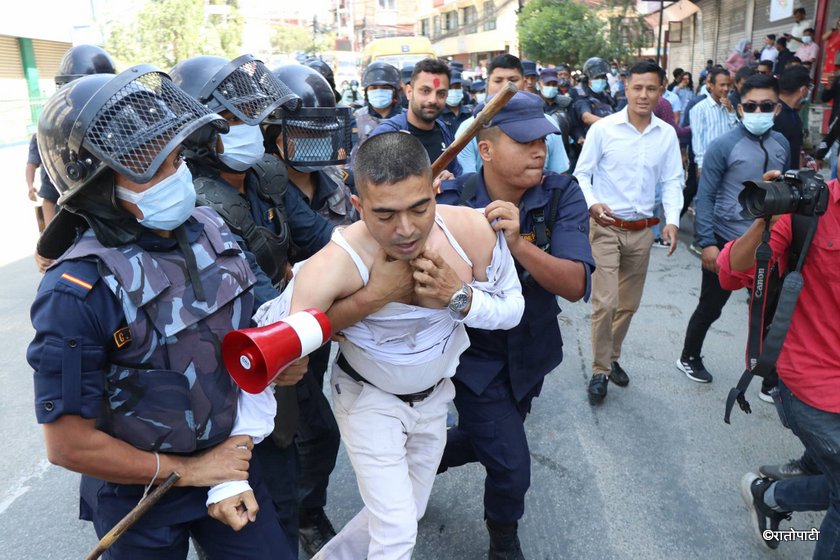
[{"x": 255, "y": 357}]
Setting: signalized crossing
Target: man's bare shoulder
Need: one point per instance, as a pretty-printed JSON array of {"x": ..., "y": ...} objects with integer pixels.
[
  {"x": 472, "y": 231},
  {"x": 360, "y": 240}
]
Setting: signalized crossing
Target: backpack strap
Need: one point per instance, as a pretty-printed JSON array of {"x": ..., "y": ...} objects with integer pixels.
[{"x": 468, "y": 190}]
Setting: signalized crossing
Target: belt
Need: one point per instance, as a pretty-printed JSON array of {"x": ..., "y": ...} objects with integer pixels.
[
  {"x": 634, "y": 225},
  {"x": 409, "y": 398}
]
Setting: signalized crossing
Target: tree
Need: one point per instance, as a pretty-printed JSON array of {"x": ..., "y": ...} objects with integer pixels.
[
  {"x": 169, "y": 31},
  {"x": 290, "y": 38},
  {"x": 569, "y": 31}
]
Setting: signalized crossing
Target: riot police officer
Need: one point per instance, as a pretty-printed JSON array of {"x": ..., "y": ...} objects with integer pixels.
[
  {"x": 405, "y": 76},
  {"x": 324, "y": 69},
  {"x": 381, "y": 84},
  {"x": 312, "y": 142},
  {"x": 129, "y": 321},
  {"x": 595, "y": 102},
  {"x": 456, "y": 111},
  {"x": 557, "y": 106},
  {"x": 248, "y": 188}
]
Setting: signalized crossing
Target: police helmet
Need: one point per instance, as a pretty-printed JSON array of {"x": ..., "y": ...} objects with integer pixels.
[
  {"x": 83, "y": 60},
  {"x": 243, "y": 86},
  {"x": 594, "y": 67},
  {"x": 317, "y": 134},
  {"x": 406, "y": 73},
  {"x": 381, "y": 74},
  {"x": 129, "y": 123},
  {"x": 324, "y": 69}
]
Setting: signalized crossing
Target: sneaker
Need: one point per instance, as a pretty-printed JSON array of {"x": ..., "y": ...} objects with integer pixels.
[
  {"x": 661, "y": 243},
  {"x": 753, "y": 488},
  {"x": 765, "y": 395},
  {"x": 696, "y": 249},
  {"x": 315, "y": 530},
  {"x": 693, "y": 368},
  {"x": 791, "y": 469}
]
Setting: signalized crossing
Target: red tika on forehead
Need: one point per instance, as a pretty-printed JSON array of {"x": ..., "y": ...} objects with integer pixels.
[{"x": 437, "y": 82}]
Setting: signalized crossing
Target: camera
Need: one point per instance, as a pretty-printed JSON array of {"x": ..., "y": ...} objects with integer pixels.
[{"x": 801, "y": 191}]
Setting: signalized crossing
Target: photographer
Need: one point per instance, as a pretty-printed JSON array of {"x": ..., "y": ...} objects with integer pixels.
[{"x": 808, "y": 368}]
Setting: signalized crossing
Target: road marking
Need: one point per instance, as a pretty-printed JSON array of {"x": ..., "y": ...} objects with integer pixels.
[{"x": 21, "y": 487}]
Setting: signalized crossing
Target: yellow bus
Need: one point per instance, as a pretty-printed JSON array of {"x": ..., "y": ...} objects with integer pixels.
[{"x": 398, "y": 51}]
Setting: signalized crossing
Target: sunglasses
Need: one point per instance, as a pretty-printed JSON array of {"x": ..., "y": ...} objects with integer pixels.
[{"x": 765, "y": 106}]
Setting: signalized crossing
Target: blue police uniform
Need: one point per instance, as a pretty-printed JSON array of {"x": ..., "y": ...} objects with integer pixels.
[
  {"x": 502, "y": 371},
  {"x": 452, "y": 120},
  {"x": 47, "y": 191},
  {"x": 400, "y": 123},
  {"x": 82, "y": 330},
  {"x": 599, "y": 104}
]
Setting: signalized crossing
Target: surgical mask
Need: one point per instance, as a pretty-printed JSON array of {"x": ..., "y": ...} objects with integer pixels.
[
  {"x": 549, "y": 92},
  {"x": 806, "y": 39},
  {"x": 311, "y": 149},
  {"x": 380, "y": 98},
  {"x": 598, "y": 85},
  {"x": 758, "y": 123},
  {"x": 613, "y": 71},
  {"x": 563, "y": 82},
  {"x": 454, "y": 97},
  {"x": 166, "y": 205},
  {"x": 243, "y": 147},
  {"x": 480, "y": 97}
]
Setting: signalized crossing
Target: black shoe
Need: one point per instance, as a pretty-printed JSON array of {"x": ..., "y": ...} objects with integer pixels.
[
  {"x": 791, "y": 469},
  {"x": 694, "y": 369},
  {"x": 753, "y": 488},
  {"x": 618, "y": 375},
  {"x": 315, "y": 530},
  {"x": 598, "y": 388},
  {"x": 504, "y": 542}
]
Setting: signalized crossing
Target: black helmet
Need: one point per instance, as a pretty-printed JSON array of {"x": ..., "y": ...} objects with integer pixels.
[
  {"x": 319, "y": 125},
  {"x": 128, "y": 123},
  {"x": 381, "y": 74},
  {"x": 406, "y": 73},
  {"x": 324, "y": 69},
  {"x": 595, "y": 66},
  {"x": 83, "y": 60},
  {"x": 243, "y": 86}
]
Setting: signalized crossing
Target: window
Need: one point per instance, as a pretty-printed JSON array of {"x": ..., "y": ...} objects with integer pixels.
[
  {"x": 489, "y": 16},
  {"x": 451, "y": 20},
  {"x": 424, "y": 27},
  {"x": 436, "y": 26},
  {"x": 388, "y": 4},
  {"x": 469, "y": 16}
]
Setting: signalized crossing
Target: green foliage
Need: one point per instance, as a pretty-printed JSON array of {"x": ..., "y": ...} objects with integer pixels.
[
  {"x": 569, "y": 31},
  {"x": 168, "y": 31},
  {"x": 290, "y": 38}
]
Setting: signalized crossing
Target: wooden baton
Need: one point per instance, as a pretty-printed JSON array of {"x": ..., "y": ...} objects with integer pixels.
[
  {"x": 493, "y": 106},
  {"x": 131, "y": 518}
]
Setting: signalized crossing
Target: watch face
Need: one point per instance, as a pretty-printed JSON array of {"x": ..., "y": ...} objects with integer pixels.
[{"x": 459, "y": 301}]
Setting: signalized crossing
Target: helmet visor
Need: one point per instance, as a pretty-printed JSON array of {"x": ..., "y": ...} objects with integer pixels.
[
  {"x": 251, "y": 92},
  {"x": 135, "y": 121},
  {"x": 316, "y": 135}
]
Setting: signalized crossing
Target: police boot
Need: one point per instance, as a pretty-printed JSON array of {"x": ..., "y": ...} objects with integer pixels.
[
  {"x": 315, "y": 530},
  {"x": 504, "y": 542}
]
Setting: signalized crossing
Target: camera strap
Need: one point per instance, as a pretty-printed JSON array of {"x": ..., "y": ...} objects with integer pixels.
[{"x": 762, "y": 352}]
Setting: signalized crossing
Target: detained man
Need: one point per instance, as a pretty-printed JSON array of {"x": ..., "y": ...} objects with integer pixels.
[{"x": 400, "y": 285}]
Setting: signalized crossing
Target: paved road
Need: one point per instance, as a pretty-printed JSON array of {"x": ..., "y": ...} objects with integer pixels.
[{"x": 652, "y": 473}]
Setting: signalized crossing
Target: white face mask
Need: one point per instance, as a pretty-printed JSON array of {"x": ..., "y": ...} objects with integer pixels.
[
  {"x": 380, "y": 98},
  {"x": 806, "y": 39},
  {"x": 454, "y": 97},
  {"x": 166, "y": 205},
  {"x": 480, "y": 97},
  {"x": 243, "y": 147}
]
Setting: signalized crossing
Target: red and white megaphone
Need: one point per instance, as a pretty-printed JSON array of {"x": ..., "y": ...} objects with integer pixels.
[{"x": 255, "y": 357}]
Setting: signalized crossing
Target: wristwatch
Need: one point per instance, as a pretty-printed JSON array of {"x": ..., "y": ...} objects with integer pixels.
[{"x": 460, "y": 300}]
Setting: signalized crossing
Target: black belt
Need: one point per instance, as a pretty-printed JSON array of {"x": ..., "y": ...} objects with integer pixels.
[{"x": 410, "y": 398}]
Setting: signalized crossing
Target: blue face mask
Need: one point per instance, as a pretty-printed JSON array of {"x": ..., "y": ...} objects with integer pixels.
[
  {"x": 758, "y": 123},
  {"x": 454, "y": 97},
  {"x": 243, "y": 147},
  {"x": 598, "y": 85},
  {"x": 380, "y": 98},
  {"x": 549, "y": 92},
  {"x": 166, "y": 205},
  {"x": 480, "y": 97},
  {"x": 311, "y": 149}
]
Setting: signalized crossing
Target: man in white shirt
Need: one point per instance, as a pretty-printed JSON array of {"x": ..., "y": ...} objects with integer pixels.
[
  {"x": 400, "y": 285},
  {"x": 798, "y": 30},
  {"x": 623, "y": 159},
  {"x": 769, "y": 52}
]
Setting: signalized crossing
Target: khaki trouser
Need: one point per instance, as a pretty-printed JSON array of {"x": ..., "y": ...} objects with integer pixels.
[{"x": 621, "y": 261}]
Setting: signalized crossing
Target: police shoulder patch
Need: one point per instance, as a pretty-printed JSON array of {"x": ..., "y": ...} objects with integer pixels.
[
  {"x": 77, "y": 278},
  {"x": 122, "y": 337}
]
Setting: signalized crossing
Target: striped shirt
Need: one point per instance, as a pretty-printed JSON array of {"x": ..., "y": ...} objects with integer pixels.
[{"x": 709, "y": 120}]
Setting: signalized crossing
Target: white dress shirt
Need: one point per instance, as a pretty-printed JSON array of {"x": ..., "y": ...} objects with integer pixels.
[
  {"x": 770, "y": 53},
  {"x": 797, "y": 30},
  {"x": 620, "y": 167}
]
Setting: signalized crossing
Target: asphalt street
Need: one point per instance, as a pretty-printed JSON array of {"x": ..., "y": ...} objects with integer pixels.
[{"x": 652, "y": 473}]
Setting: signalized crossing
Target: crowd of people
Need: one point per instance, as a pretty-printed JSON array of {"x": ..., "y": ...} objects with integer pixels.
[{"x": 181, "y": 206}]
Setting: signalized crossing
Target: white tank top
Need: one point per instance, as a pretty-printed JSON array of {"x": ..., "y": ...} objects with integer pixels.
[{"x": 404, "y": 348}]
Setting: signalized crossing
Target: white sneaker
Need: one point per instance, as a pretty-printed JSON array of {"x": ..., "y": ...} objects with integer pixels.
[{"x": 766, "y": 397}]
